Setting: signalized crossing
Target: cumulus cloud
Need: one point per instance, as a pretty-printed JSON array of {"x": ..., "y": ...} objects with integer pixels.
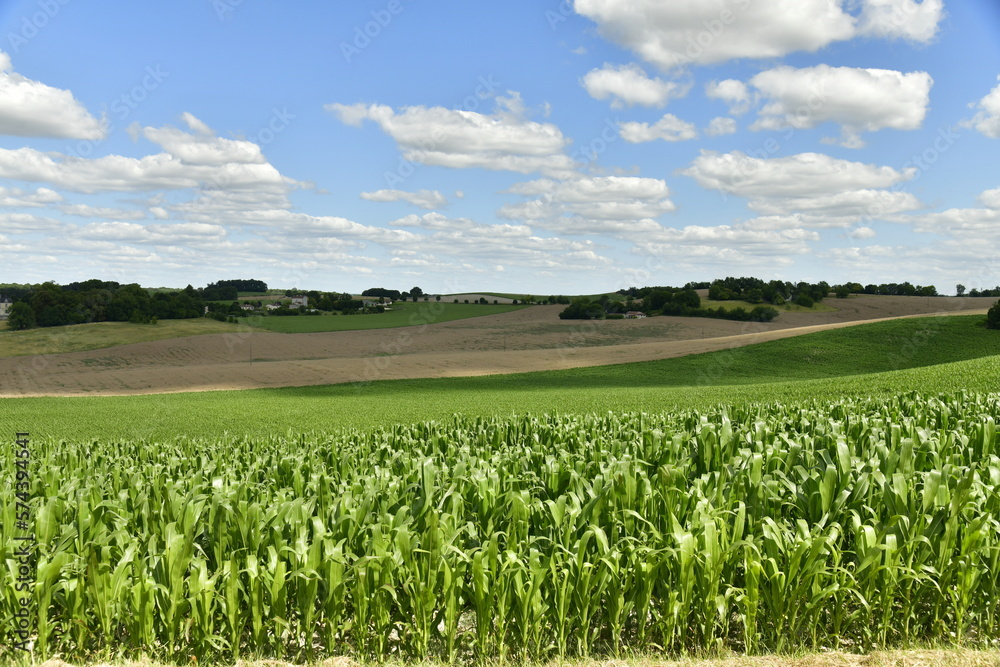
[
  {"x": 628, "y": 85},
  {"x": 437, "y": 136},
  {"x": 668, "y": 128},
  {"x": 202, "y": 148},
  {"x": 87, "y": 211},
  {"x": 844, "y": 203},
  {"x": 155, "y": 234},
  {"x": 434, "y": 221},
  {"x": 18, "y": 198},
  {"x": 116, "y": 173},
  {"x": 33, "y": 109},
  {"x": 806, "y": 190},
  {"x": 25, "y": 223},
  {"x": 803, "y": 175},
  {"x": 672, "y": 35},
  {"x": 907, "y": 19},
  {"x": 615, "y": 205},
  {"x": 721, "y": 126},
  {"x": 987, "y": 121},
  {"x": 991, "y": 198},
  {"x": 427, "y": 199},
  {"x": 675, "y": 34},
  {"x": 862, "y": 233},
  {"x": 859, "y": 100},
  {"x": 732, "y": 92}
]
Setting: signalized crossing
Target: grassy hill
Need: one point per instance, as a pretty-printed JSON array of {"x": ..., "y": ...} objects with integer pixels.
[
  {"x": 401, "y": 315},
  {"x": 930, "y": 354},
  {"x": 81, "y": 337}
]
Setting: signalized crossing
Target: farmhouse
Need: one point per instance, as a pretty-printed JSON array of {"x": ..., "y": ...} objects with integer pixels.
[
  {"x": 635, "y": 315},
  {"x": 300, "y": 301},
  {"x": 5, "y": 305}
]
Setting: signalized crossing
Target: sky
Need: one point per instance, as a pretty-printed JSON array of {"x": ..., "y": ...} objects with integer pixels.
[{"x": 528, "y": 146}]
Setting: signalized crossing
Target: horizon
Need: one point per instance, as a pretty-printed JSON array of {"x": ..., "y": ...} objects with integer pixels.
[{"x": 575, "y": 144}]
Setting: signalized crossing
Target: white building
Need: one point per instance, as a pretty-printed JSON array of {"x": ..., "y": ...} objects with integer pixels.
[
  {"x": 300, "y": 301},
  {"x": 5, "y": 305}
]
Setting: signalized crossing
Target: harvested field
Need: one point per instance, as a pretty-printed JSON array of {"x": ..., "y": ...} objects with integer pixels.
[{"x": 532, "y": 339}]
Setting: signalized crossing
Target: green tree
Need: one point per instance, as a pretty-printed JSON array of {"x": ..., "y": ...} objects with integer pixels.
[
  {"x": 960, "y": 289},
  {"x": 804, "y": 300},
  {"x": 21, "y": 317},
  {"x": 992, "y": 317}
]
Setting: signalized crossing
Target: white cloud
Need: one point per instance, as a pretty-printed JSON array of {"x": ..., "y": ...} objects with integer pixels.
[
  {"x": 614, "y": 205},
  {"x": 189, "y": 233},
  {"x": 803, "y": 175},
  {"x": 24, "y": 223},
  {"x": 203, "y": 148},
  {"x": 672, "y": 35},
  {"x": 18, "y": 198},
  {"x": 434, "y": 221},
  {"x": 628, "y": 85},
  {"x": 844, "y": 203},
  {"x": 862, "y": 233},
  {"x": 907, "y": 19},
  {"x": 860, "y": 100},
  {"x": 732, "y": 92},
  {"x": 115, "y": 173},
  {"x": 675, "y": 34},
  {"x": 668, "y": 128},
  {"x": 465, "y": 139},
  {"x": 721, "y": 126},
  {"x": 810, "y": 190},
  {"x": 87, "y": 211},
  {"x": 427, "y": 199},
  {"x": 991, "y": 198},
  {"x": 32, "y": 109},
  {"x": 987, "y": 121}
]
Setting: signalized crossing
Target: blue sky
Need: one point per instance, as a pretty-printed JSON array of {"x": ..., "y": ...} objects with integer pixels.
[{"x": 541, "y": 147}]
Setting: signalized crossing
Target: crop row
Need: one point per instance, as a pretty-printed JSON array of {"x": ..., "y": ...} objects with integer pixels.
[{"x": 856, "y": 523}]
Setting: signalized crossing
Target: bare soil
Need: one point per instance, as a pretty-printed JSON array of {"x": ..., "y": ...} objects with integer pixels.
[{"x": 532, "y": 339}]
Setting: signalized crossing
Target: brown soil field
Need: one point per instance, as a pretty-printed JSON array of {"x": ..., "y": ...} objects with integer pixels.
[{"x": 532, "y": 339}]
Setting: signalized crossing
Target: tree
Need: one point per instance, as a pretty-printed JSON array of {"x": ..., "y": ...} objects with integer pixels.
[
  {"x": 21, "y": 317},
  {"x": 437, "y": 298},
  {"x": 843, "y": 291},
  {"x": 416, "y": 293},
  {"x": 960, "y": 289},
  {"x": 992, "y": 317}
]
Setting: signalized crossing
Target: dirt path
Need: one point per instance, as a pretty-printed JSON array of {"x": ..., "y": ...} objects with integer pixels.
[{"x": 533, "y": 339}]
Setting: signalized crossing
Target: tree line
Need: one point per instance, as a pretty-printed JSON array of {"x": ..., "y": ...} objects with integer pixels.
[
  {"x": 52, "y": 305},
  {"x": 675, "y": 301}
]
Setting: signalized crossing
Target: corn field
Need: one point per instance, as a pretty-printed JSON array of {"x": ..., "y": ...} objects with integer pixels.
[{"x": 854, "y": 525}]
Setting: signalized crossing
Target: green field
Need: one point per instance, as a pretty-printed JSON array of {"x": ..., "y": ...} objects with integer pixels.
[
  {"x": 401, "y": 315},
  {"x": 839, "y": 490},
  {"x": 844, "y": 524},
  {"x": 933, "y": 354},
  {"x": 788, "y": 307},
  {"x": 80, "y": 337}
]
